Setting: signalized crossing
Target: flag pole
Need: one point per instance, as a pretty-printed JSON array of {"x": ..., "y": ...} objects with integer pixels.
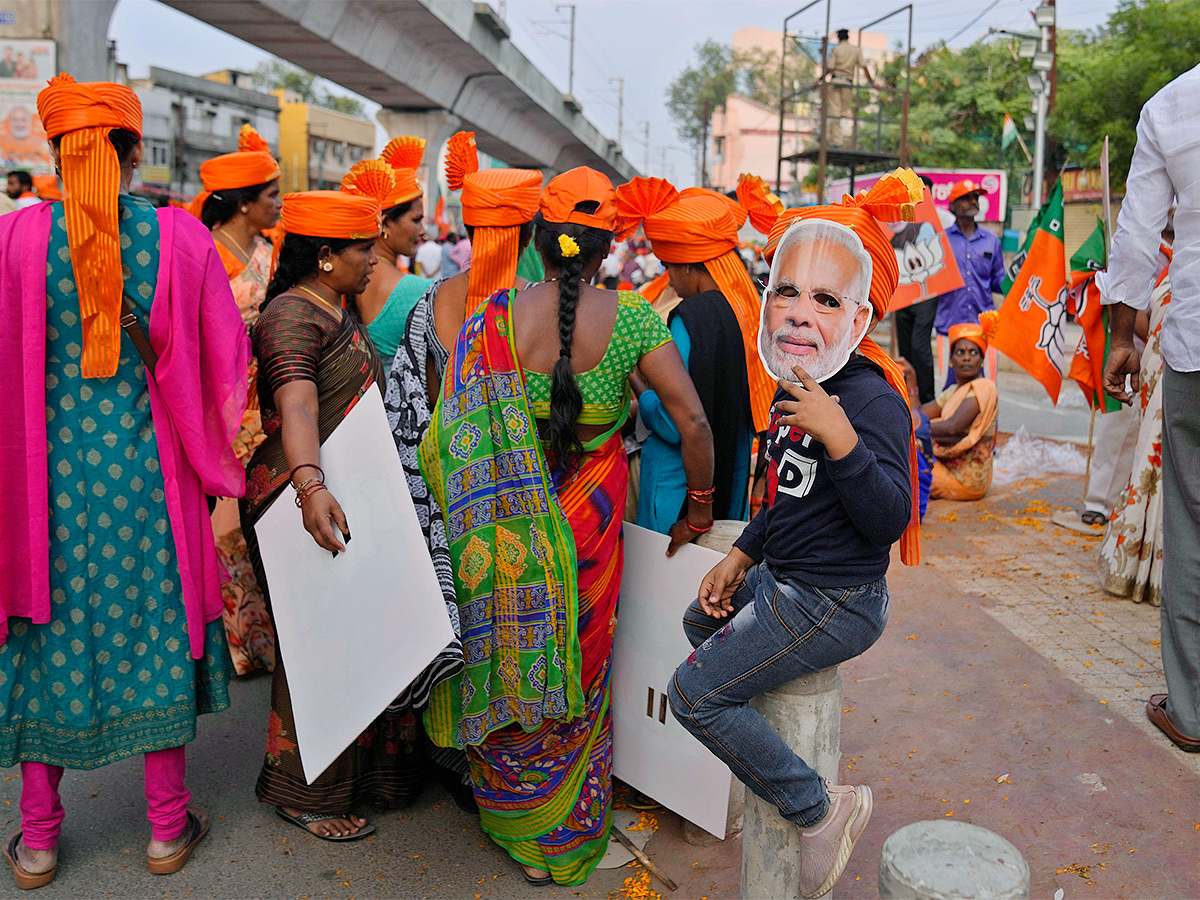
[
  {"x": 1107, "y": 202},
  {"x": 1028, "y": 155}
]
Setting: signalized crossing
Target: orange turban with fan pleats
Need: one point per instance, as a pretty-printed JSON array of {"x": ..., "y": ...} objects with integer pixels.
[
  {"x": 404, "y": 155},
  {"x": 495, "y": 203},
  {"x": 251, "y": 164},
  {"x": 894, "y": 198},
  {"x": 762, "y": 206},
  {"x": 701, "y": 226},
  {"x": 331, "y": 214},
  {"x": 82, "y": 115}
]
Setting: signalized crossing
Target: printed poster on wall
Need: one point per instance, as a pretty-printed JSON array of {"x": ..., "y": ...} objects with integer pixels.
[{"x": 25, "y": 67}]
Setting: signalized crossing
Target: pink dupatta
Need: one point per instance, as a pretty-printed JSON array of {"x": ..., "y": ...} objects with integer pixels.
[{"x": 197, "y": 398}]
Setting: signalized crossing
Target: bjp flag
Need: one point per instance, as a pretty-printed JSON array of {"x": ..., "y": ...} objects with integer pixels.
[
  {"x": 927, "y": 266},
  {"x": 1029, "y": 325},
  {"x": 1087, "y": 366}
]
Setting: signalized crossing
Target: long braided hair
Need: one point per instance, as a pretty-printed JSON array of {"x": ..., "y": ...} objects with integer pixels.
[{"x": 563, "y": 447}]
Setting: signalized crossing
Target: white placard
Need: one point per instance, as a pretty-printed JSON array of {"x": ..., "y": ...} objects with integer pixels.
[
  {"x": 651, "y": 751},
  {"x": 354, "y": 631}
]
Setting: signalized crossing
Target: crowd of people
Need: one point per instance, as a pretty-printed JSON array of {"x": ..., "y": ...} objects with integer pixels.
[{"x": 181, "y": 369}]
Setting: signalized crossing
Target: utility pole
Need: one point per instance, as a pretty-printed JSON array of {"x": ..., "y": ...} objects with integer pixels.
[
  {"x": 620, "y": 108},
  {"x": 1045, "y": 17},
  {"x": 704, "y": 147},
  {"x": 646, "y": 132},
  {"x": 571, "y": 58}
]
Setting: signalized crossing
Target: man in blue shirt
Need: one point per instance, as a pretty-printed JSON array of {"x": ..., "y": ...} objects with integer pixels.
[{"x": 979, "y": 257}]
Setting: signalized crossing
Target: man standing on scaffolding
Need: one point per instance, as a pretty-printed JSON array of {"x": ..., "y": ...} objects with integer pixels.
[{"x": 845, "y": 59}]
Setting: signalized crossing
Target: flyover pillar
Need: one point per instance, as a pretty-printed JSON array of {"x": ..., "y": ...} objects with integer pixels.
[{"x": 435, "y": 126}]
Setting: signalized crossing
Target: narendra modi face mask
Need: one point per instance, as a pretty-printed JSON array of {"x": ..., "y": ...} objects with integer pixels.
[{"x": 815, "y": 310}]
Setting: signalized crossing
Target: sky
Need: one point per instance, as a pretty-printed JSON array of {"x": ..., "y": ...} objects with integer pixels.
[{"x": 646, "y": 42}]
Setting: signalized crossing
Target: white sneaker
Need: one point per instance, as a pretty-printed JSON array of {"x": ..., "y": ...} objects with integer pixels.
[{"x": 825, "y": 847}]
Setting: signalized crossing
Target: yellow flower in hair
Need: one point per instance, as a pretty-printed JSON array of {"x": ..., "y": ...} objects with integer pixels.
[{"x": 567, "y": 245}]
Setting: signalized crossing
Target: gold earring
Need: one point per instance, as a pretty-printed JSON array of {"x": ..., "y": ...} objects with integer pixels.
[{"x": 327, "y": 266}]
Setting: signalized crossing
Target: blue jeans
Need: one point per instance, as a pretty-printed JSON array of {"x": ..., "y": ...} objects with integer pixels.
[{"x": 780, "y": 630}]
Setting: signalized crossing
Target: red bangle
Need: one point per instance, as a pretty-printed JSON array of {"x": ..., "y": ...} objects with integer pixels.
[
  {"x": 292, "y": 474},
  {"x": 308, "y": 491},
  {"x": 699, "y": 530}
]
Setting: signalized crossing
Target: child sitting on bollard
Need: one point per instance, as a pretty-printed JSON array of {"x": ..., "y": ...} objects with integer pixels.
[{"x": 804, "y": 586}]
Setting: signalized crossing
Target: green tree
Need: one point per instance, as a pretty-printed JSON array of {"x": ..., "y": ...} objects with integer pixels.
[
  {"x": 718, "y": 71},
  {"x": 275, "y": 74},
  {"x": 1104, "y": 77},
  {"x": 700, "y": 87}
]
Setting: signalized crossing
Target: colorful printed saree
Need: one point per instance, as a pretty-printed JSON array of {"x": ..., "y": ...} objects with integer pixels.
[{"x": 537, "y": 557}]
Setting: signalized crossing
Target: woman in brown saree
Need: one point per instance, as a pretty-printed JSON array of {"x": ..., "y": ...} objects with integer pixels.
[{"x": 315, "y": 362}]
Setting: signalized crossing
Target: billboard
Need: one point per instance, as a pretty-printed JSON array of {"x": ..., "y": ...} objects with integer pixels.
[
  {"x": 992, "y": 202},
  {"x": 25, "y": 67}
]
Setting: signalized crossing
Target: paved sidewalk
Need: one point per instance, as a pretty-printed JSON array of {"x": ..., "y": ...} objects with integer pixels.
[{"x": 1006, "y": 692}]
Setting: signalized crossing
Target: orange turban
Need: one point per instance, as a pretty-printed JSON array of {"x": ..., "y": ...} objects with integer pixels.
[
  {"x": 403, "y": 154},
  {"x": 571, "y": 188},
  {"x": 251, "y": 164},
  {"x": 735, "y": 208},
  {"x": 331, "y": 214},
  {"x": 700, "y": 226},
  {"x": 969, "y": 331},
  {"x": 761, "y": 205},
  {"x": 892, "y": 199},
  {"x": 82, "y": 115},
  {"x": 495, "y": 203},
  {"x": 47, "y": 187}
]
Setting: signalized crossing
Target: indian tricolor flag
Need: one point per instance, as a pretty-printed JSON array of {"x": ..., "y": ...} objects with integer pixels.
[
  {"x": 1009, "y": 134},
  {"x": 1029, "y": 325}
]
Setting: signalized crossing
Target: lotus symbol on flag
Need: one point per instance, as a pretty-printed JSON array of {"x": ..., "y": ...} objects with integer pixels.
[
  {"x": 1051, "y": 341},
  {"x": 920, "y": 259}
]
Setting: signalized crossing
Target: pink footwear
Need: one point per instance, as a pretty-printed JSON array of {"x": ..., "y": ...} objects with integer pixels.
[{"x": 825, "y": 847}]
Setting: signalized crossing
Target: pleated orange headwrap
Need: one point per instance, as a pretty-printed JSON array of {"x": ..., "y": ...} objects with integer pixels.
[
  {"x": 761, "y": 205},
  {"x": 331, "y": 214},
  {"x": 404, "y": 155},
  {"x": 701, "y": 226},
  {"x": 251, "y": 164},
  {"x": 893, "y": 199},
  {"x": 82, "y": 115},
  {"x": 495, "y": 203}
]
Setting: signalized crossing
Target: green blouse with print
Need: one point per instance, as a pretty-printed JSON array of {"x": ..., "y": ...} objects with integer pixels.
[{"x": 605, "y": 388}]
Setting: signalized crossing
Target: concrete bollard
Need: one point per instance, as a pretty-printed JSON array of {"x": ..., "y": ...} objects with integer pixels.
[
  {"x": 942, "y": 860},
  {"x": 807, "y": 714}
]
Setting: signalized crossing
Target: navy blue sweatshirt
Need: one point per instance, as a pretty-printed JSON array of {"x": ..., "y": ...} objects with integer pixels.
[{"x": 831, "y": 523}]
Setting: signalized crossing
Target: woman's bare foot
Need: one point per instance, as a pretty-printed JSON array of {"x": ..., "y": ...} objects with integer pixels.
[
  {"x": 35, "y": 862},
  {"x": 163, "y": 849},
  {"x": 536, "y": 874},
  {"x": 340, "y": 827}
]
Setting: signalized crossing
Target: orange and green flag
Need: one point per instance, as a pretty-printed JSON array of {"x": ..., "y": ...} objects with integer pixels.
[
  {"x": 1028, "y": 327},
  {"x": 1087, "y": 366}
]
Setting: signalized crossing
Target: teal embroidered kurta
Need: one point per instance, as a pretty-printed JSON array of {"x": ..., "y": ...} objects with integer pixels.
[{"x": 111, "y": 675}]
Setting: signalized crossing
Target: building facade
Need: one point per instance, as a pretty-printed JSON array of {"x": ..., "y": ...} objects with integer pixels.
[
  {"x": 318, "y": 145},
  {"x": 188, "y": 119}
]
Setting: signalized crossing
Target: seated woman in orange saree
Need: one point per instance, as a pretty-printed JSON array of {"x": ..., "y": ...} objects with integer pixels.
[
  {"x": 963, "y": 422},
  {"x": 536, "y": 546}
]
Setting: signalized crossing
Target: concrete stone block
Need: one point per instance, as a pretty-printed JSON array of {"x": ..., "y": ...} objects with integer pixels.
[
  {"x": 807, "y": 714},
  {"x": 942, "y": 860}
]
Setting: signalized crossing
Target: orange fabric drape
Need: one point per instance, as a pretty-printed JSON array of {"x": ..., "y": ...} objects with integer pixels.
[
  {"x": 495, "y": 203},
  {"x": 332, "y": 214},
  {"x": 730, "y": 275},
  {"x": 82, "y": 115}
]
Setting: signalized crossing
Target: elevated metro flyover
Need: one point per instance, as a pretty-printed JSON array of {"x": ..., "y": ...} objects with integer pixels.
[{"x": 435, "y": 66}]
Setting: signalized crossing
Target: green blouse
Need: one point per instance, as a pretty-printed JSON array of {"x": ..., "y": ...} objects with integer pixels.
[{"x": 605, "y": 388}]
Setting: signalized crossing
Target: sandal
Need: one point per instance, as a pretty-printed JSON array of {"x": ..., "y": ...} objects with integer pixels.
[
  {"x": 1094, "y": 518},
  {"x": 26, "y": 880},
  {"x": 305, "y": 819},
  {"x": 196, "y": 829},
  {"x": 544, "y": 881}
]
